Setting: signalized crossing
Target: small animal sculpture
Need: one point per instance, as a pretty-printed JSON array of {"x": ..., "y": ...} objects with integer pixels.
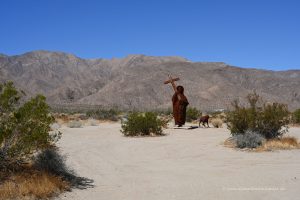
[{"x": 204, "y": 120}]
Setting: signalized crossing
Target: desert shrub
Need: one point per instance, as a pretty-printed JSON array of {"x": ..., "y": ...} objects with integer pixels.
[
  {"x": 217, "y": 123},
  {"x": 93, "y": 122},
  {"x": 75, "y": 124},
  {"x": 24, "y": 129},
  {"x": 296, "y": 116},
  {"x": 52, "y": 162},
  {"x": 192, "y": 114},
  {"x": 273, "y": 120},
  {"x": 101, "y": 114},
  {"x": 139, "y": 124},
  {"x": 269, "y": 120},
  {"x": 249, "y": 139}
]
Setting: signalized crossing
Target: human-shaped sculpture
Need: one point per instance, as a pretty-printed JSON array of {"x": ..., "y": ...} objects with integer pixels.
[{"x": 179, "y": 101}]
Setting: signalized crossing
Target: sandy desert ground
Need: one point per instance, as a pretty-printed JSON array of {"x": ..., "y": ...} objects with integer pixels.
[{"x": 184, "y": 165}]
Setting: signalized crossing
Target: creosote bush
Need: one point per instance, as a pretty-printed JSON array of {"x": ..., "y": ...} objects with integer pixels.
[
  {"x": 192, "y": 114},
  {"x": 24, "y": 128},
  {"x": 142, "y": 124},
  {"x": 249, "y": 139},
  {"x": 296, "y": 116},
  {"x": 268, "y": 119},
  {"x": 28, "y": 129}
]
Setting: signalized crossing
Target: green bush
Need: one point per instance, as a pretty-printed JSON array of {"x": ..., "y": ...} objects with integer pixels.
[
  {"x": 139, "y": 124},
  {"x": 296, "y": 116},
  {"x": 269, "y": 120},
  {"x": 192, "y": 114},
  {"x": 24, "y": 129},
  {"x": 102, "y": 114},
  {"x": 273, "y": 120}
]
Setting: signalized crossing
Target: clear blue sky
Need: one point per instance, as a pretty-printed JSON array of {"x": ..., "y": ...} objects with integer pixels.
[{"x": 247, "y": 33}]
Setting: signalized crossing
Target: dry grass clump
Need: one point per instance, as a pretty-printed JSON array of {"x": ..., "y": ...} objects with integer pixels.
[
  {"x": 283, "y": 143},
  {"x": 217, "y": 123},
  {"x": 44, "y": 177},
  {"x": 32, "y": 185}
]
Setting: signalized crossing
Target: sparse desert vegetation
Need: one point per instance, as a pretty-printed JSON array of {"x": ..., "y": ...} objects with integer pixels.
[
  {"x": 85, "y": 116},
  {"x": 142, "y": 124},
  {"x": 284, "y": 143},
  {"x": 261, "y": 125},
  {"x": 197, "y": 152},
  {"x": 255, "y": 142},
  {"x": 268, "y": 119},
  {"x": 27, "y": 131},
  {"x": 24, "y": 129},
  {"x": 44, "y": 174},
  {"x": 32, "y": 184}
]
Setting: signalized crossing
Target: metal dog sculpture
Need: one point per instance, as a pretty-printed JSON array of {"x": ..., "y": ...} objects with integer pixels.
[{"x": 204, "y": 120}]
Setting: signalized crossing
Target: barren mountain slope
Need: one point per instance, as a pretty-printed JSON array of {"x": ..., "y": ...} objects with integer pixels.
[{"x": 137, "y": 80}]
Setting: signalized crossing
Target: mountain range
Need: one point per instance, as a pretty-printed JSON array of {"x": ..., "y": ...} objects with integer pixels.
[{"x": 136, "y": 81}]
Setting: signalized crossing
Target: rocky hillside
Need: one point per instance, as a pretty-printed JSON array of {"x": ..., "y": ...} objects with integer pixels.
[{"x": 137, "y": 80}]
